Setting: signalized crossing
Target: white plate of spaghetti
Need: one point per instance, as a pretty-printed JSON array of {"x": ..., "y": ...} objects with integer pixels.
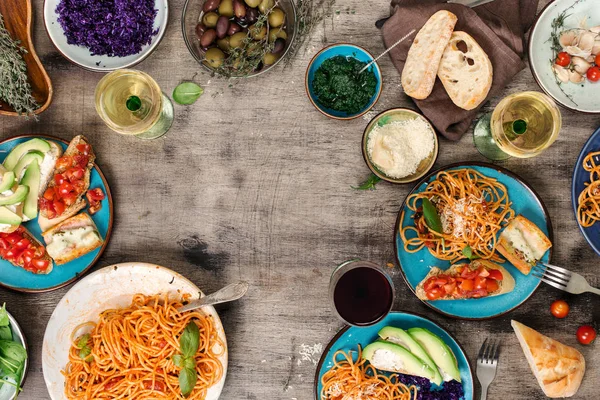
[{"x": 117, "y": 334}]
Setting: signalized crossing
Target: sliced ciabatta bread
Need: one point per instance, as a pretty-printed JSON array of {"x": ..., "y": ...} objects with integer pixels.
[
  {"x": 465, "y": 71},
  {"x": 425, "y": 53},
  {"x": 523, "y": 243},
  {"x": 72, "y": 238},
  {"x": 558, "y": 368}
]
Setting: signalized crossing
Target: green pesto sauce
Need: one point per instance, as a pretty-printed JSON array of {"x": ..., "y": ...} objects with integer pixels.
[{"x": 338, "y": 85}]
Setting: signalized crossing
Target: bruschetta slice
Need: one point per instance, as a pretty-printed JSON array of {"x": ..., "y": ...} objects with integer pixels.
[
  {"x": 72, "y": 238},
  {"x": 23, "y": 250},
  {"x": 480, "y": 278},
  {"x": 64, "y": 196},
  {"x": 523, "y": 243}
]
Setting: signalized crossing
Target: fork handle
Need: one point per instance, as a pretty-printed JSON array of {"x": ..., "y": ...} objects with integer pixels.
[
  {"x": 484, "y": 390},
  {"x": 593, "y": 290}
]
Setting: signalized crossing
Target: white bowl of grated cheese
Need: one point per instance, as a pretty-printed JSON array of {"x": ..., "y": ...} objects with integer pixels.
[{"x": 400, "y": 145}]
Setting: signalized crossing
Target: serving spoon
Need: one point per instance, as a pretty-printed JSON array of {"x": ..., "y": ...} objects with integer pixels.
[
  {"x": 228, "y": 293},
  {"x": 403, "y": 38}
]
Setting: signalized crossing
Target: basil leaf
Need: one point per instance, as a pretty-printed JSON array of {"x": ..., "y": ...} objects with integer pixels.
[
  {"x": 432, "y": 219},
  {"x": 189, "y": 340},
  {"x": 4, "y": 316},
  {"x": 369, "y": 184},
  {"x": 190, "y": 363},
  {"x": 468, "y": 252},
  {"x": 178, "y": 360},
  {"x": 187, "y": 93},
  {"x": 5, "y": 333},
  {"x": 83, "y": 340},
  {"x": 84, "y": 352},
  {"x": 187, "y": 381}
]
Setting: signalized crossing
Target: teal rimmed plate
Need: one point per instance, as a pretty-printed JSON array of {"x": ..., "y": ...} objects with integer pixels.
[
  {"x": 24, "y": 281},
  {"x": 350, "y": 337},
  {"x": 415, "y": 266}
]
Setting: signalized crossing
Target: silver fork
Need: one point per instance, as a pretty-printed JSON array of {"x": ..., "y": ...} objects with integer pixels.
[
  {"x": 562, "y": 279},
  {"x": 487, "y": 363}
]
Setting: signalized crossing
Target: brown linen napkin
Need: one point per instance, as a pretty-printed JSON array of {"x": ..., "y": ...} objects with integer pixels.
[{"x": 498, "y": 27}]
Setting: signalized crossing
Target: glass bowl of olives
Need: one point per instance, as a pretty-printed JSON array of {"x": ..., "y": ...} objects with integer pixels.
[{"x": 239, "y": 38}]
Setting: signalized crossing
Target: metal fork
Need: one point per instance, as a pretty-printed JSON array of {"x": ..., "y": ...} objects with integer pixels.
[
  {"x": 487, "y": 363},
  {"x": 562, "y": 279}
]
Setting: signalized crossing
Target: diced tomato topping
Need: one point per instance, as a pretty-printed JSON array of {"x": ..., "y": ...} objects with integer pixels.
[
  {"x": 94, "y": 207},
  {"x": 478, "y": 293},
  {"x": 496, "y": 274},
  {"x": 434, "y": 294},
  {"x": 3, "y": 244},
  {"x": 491, "y": 285},
  {"x": 13, "y": 237},
  {"x": 467, "y": 273},
  {"x": 69, "y": 199},
  {"x": 23, "y": 244},
  {"x": 467, "y": 285},
  {"x": 429, "y": 283},
  {"x": 484, "y": 273},
  {"x": 95, "y": 194},
  {"x": 18, "y": 249},
  {"x": 84, "y": 148},
  {"x": 479, "y": 282},
  {"x": 449, "y": 288},
  {"x": 40, "y": 264},
  {"x": 59, "y": 179},
  {"x": 65, "y": 189},
  {"x": 63, "y": 163},
  {"x": 59, "y": 206},
  {"x": 158, "y": 386},
  {"x": 75, "y": 174},
  {"x": 81, "y": 160},
  {"x": 49, "y": 194}
]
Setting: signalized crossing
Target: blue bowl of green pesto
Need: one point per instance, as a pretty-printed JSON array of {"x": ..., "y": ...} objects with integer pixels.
[{"x": 334, "y": 85}]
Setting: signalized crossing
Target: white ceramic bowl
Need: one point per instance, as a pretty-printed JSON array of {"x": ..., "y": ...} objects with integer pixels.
[
  {"x": 7, "y": 392},
  {"x": 81, "y": 56},
  {"x": 584, "y": 96},
  {"x": 112, "y": 287}
]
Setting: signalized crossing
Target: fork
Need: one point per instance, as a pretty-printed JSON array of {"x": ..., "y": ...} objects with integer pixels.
[
  {"x": 487, "y": 363},
  {"x": 562, "y": 279}
]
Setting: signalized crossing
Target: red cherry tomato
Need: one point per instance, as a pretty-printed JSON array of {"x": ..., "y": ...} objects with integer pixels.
[
  {"x": 563, "y": 59},
  {"x": 586, "y": 334},
  {"x": 63, "y": 163},
  {"x": 496, "y": 274},
  {"x": 559, "y": 308},
  {"x": 593, "y": 74}
]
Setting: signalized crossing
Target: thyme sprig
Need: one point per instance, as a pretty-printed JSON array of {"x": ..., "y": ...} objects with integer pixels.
[{"x": 15, "y": 88}]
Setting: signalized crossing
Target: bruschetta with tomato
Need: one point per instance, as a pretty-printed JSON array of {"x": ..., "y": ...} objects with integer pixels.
[
  {"x": 480, "y": 278},
  {"x": 23, "y": 250},
  {"x": 64, "y": 196}
]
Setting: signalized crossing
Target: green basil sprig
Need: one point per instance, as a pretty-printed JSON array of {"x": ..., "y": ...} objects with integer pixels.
[
  {"x": 432, "y": 219},
  {"x": 189, "y": 341},
  {"x": 467, "y": 251},
  {"x": 85, "y": 350}
]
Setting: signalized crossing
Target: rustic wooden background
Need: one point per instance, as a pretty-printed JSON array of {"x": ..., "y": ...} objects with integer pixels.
[{"x": 252, "y": 183}]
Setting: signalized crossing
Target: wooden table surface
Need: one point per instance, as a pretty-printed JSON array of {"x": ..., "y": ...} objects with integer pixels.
[{"x": 252, "y": 183}]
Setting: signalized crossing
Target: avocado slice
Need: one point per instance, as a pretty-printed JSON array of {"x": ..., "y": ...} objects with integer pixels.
[
  {"x": 18, "y": 196},
  {"x": 27, "y": 159},
  {"x": 392, "y": 357},
  {"x": 11, "y": 160},
  {"x": 8, "y": 217},
  {"x": 32, "y": 180},
  {"x": 439, "y": 352},
  {"x": 400, "y": 336},
  {"x": 8, "y": 181}
]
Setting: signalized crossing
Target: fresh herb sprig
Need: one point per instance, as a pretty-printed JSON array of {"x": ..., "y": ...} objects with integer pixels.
[
  {"x": 85, "y": 350},
  {"x": 368, "y": 184},
  {"x": 189, "y": 341},
  {"x": 187, "y": 93},
  {"x": 432, "y": 219},
  {"x": 12, "y": 355},
  {"x": 467, "y": 251}
]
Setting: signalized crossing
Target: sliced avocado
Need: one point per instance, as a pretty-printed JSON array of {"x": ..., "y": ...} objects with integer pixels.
[
  {"x": 8, "y": 181},
  {"x": 8, "y": 217},
  {"x": 439, "y": 352},
  {"x": 28, "y": 158},
  {"x": 32, "y": 180},
  {"x": 18, "y": 196},
  {"x": 395, "y": 358},
  {"x": 11, "y": 160},
  {"x": 400, "y": 336}
]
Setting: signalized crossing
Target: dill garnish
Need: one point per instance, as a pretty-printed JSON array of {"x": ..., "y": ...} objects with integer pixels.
[{"x": 15, "y": 88}]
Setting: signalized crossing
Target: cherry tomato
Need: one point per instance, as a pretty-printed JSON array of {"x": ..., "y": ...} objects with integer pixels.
[
  {"x": 63, "y": 163},
  {"x": 559, "y": 308},
  {"x": 95, "y": 194},
  {"x": 84, "y": 148},
  {"x": 434, "y": 294},
  {"x": 65, "y": 189},
  {"x": 586, "y": 334},
  {"x": 563, "y": 59},
  {"x": 593, "y": 74}
]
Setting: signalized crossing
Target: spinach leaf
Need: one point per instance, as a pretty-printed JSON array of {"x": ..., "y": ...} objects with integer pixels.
[
  {"x": 432, "y": 219},
  {"x": 187, "y": 380},
  {"x": 187, "y": 93},
  {"x": 5, "y": 333},
  {"x": 4, "y": 316},
  {"x": 189, "y": 340}
]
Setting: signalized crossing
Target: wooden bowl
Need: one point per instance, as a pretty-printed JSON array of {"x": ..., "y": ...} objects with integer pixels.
[{"x": 18, "y": 20}]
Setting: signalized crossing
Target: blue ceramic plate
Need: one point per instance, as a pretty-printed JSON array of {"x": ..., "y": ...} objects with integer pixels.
[
  {"x": 17, "y": 278},
  {"x": 580, "y": 177},
  {"x": 346, "y": 50},
  {"x": 415, "y": 266},
  {"x": 350, "y": 337}
]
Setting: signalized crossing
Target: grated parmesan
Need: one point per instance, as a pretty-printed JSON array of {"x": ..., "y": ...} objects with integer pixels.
[
  {"x": 398, "y": 148},
  {"x": 454, "y": 217},
  {"x": 310, "y": 353}
]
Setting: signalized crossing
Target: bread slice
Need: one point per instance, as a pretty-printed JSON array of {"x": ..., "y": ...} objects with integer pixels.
[
  {"x": 28, "y": 235},
  {"x": 72, "y": 238},
  {"x": 558, "y": 368},
  {"x": 465, "y": 71},
  {"x": 425, "y": 53},
  {"x": 506, "y": 285},
  {"x": 523, "y": 243}
]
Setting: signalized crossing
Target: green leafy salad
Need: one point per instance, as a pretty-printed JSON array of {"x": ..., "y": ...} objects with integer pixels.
[{"x": 12, "y": 355}]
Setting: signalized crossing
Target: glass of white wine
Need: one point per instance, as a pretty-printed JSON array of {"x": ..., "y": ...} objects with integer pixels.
[
  {"x": 130, "y": 102},
  {"x": 522, "y": 125}
]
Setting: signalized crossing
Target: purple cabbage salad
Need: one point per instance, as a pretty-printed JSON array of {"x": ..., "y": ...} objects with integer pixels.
[
  {"x": 116, "y": 28},
  {"x": 452, "y": 390}
]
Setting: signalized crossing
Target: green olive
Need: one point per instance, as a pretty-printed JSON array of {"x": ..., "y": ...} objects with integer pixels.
[
  {"x": 224, "y": 44},
  {"x": 265, "y": 5},
  {"x": 276, "y": 18},
  {"x": 210, "y": 19},
  {"x": 277, "y": 33},
  {"x": 253, "y": 3},
  {"x": 226, "y": 8},
  {"x": 237, "y": 40},
  {"x": 270, "y": 58},
  {"x": 257, "y": 33},
  {"x": 214, "y": 57}
]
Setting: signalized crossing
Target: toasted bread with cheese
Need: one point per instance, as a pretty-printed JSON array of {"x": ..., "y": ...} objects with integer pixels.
[
  {"x": 425, "y": 53},
  {"x": 72, "y": 238},
  {"x": 523, "y": 243},
  {"x": 465, "y": 71},
  {"x": 558, "y": 368},
  {"x": 505, "y": 285}
]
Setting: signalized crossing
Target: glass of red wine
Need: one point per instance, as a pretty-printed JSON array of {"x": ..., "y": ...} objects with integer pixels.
[{"x": 362, "y": 294}]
